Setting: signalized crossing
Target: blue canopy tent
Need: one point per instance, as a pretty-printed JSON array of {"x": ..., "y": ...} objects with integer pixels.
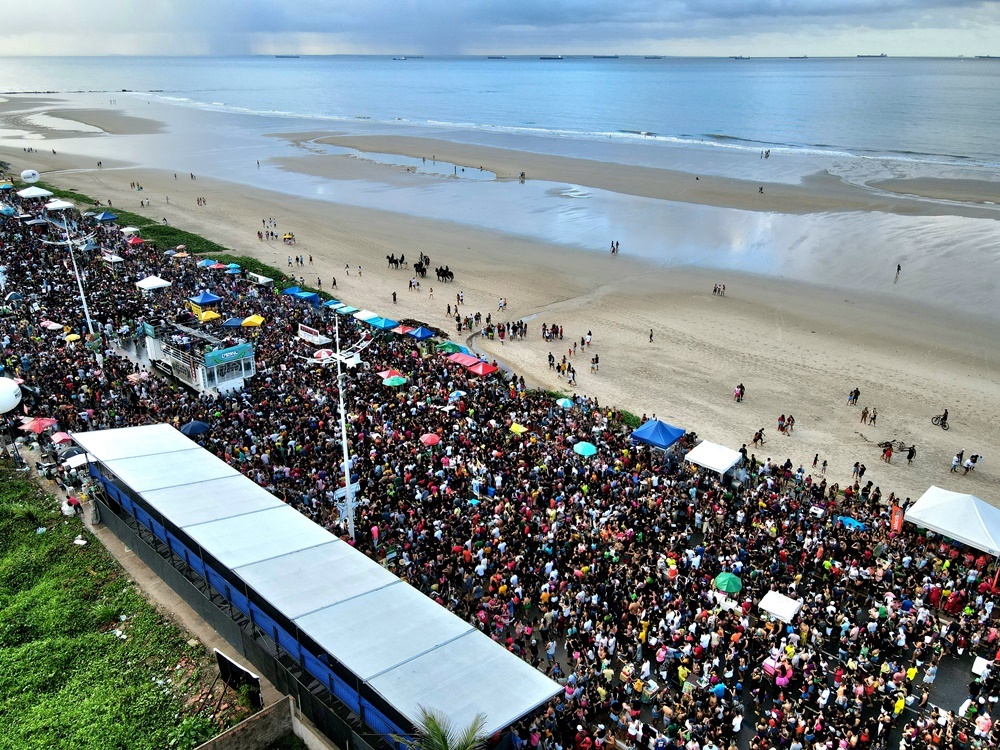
[
  {"x": 105, "y": 216},
  {"x": 291, "y": 291},
  {"x": 332, "y": 303},
  {"x": 311, "y": 297},
  {"x": 420, "y": 333},
  {"x": 851, "y": 523},
  {"x": 658, "y": 434},
  {"x": 346, "y": 310},
  {"x": 383, "y": 324},
  {"x": 233, "y": 323},
  {"x": 205, "y": 298}
]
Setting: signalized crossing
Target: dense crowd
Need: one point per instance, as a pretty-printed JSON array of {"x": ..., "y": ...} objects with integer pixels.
[{"x": 597, "y": 570}]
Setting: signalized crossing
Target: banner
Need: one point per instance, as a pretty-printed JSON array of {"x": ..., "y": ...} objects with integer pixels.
[
  {"x": 195, "y": 309},
  {"x": 147, "y": 329},
  {"x": 232, "y": 354},
  {"x": 312, "y": 335},
  {"x": 896, "y": 515}
]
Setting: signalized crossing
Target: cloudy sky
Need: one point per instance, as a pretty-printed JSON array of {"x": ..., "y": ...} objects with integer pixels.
[{"x": 668, "y": 27}]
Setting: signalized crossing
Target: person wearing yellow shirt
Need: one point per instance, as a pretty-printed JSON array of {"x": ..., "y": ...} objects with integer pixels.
[{"x": 682, "y": 673}]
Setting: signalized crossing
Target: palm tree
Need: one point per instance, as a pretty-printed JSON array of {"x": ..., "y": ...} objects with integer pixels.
[{"x": 435, "y": 731}]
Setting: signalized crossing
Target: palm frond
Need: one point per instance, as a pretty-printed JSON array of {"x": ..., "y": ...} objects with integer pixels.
[{"x": 435, "y": 731}]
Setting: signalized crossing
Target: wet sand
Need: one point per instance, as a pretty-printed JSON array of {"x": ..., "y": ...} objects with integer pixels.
[{"x": 798, "y": 348}]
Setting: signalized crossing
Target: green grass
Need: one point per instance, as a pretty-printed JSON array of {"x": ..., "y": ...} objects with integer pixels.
[
  {"x": 66, "y": 679},
  {"x": 630, "y": 419}
]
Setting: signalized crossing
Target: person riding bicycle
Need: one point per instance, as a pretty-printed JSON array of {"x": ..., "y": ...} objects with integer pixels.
[{"x": 944, "y": 417}]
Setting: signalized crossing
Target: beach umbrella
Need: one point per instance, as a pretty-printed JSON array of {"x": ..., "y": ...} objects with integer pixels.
[
  {"x": 14, "y": 297},
  {"x": 181, "y": 247},
  {"x": 728, "y": 582},
  {"x": 395, "y": 380},
  {"x": 218, "y": 267},
  {"x": 170, "y": 252},
  {"x": 181, "y": 255},
  {"x": 207, "y": 263},
  {"x": 73, "y": 337},
  {"x": 323, "y": 354},
  {"x": 51, "y": 325},
  {"x": 430, "y": 439},
  {"x": 287, "y": 236},
  {"x": 195, "y": 428},
  {"x": 455, "y": 396},
  {"x": 38, "y": 425},
  {"x": 252, "y": 321},
  {"x": 518, "y": 429},
  {"x": 61, "y": 437},
  {"x": 233, "y": 265},
  {"x": 565, "y": 403},
  {"x": 390, "y": 374},
  {"x": 233, "y": 271},
  {"x": 583, "y": 448}
]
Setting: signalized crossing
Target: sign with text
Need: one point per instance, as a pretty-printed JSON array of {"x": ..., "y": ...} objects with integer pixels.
[
  {"x": 225, "y": 356},
  {"x": 312, "y": 335}
]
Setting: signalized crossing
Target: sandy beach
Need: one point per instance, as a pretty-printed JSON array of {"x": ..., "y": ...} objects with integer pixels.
[{"x": 798, "y": 348}]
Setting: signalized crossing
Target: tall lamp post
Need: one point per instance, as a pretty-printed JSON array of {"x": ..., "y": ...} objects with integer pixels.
[{"x": 347, "y": 504}]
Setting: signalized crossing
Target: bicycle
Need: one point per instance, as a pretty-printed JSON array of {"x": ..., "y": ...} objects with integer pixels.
[{"x": 940, "y": 421}]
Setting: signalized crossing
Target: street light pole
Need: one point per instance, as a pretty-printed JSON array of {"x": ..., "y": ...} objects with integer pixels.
[{"x": 347, "y": 506}]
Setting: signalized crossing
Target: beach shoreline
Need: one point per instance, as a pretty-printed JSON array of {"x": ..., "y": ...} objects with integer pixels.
[{"x": 797, "y": 347}]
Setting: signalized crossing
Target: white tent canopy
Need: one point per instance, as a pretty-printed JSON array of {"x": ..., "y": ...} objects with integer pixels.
[
  {"x": 713, "y": 456},
  {"x": 964, "y": 518},
  {"x": 365, "y": 315},
  {"x": 778, "y": 605},
  {"x": 152, "y": 282},
  {"x": 34, "y": 192},
  {"x": 112, "y": 258},
  {"x": 58, "y": 205}
]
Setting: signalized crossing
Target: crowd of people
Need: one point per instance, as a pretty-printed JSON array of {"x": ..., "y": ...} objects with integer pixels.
[{"x": 598, "y": 570}]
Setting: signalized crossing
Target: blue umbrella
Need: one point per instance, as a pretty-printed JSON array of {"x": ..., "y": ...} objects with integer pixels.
[
  {"x": 584, "y": 448},
  {"x": 233, "y": 265},
  {"x": 14, "y": 297},
  {"x": 455, "y": 396},
  {"x": 7, "y": 211},
  {"x": 195, "y": 428},
  {"x": 233, "y": 271},
  {"x": 205, "y": 263},
  {"x": 851, "y": 523},
  {"x": 565, "y": 403}
]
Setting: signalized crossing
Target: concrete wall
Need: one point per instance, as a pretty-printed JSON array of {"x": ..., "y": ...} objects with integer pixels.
[{"x": 267, "y": 726}]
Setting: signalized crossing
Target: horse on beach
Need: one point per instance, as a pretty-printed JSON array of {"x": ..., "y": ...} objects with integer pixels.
[{"x": 444, "y": 274}]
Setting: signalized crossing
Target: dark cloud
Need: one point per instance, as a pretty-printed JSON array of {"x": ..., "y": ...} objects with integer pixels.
[{"x": 450, "y": 26}]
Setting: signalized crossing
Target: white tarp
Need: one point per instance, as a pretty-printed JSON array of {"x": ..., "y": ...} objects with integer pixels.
[
  {"x": 34, "y": 192},
  {"x": 713, "y": 456},
  {"x": 783, "y": 607},
  {"x": 410, "y": 650},
  {"x": 152, "y": 282},
  {"x": 964, "y": 518}
]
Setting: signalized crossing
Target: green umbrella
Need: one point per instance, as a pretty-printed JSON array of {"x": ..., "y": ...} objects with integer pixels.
[
  {"x": 728, "y": 582},
  {"x": 585, "y": 449},
  {"x": 394, "y": 381},
  {"x": 449, "y": 346}
]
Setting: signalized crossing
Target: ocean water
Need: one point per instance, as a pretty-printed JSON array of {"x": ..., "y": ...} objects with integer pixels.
[
  {"x": 859, "y": 119},
  {"x": 933, "y": 111}
]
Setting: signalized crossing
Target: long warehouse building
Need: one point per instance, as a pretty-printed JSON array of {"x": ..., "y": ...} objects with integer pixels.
[{"x": 381, "y": 647}]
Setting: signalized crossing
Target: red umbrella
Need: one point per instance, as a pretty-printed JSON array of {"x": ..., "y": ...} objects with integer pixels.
[
  {"x": 391, "y": 374},
  {"x": 482, "y": 368},
  {"x": 218, "y": 267},
  {"x": 430, "y": 439},
  {"x": 323, "y": 353},
  {"x": 38, "y": 425}
]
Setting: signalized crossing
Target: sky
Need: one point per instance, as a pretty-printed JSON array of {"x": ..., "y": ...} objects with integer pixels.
[{"x": 666, "y": 27}]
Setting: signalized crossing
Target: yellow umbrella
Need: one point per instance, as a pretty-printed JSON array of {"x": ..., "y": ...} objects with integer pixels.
[
  {"x": 518, "y": 429},
  {"x": 253, "y": 321},
  {"x": 73, "y": 337},
  {"x": 210, "y": 315}
]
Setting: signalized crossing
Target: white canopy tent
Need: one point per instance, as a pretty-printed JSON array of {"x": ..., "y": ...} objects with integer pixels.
[
  {"x": 152, "y": 282},
  {"x": 964, "y": 518},
  {"x": 112, "y": 258},
  {"x": 365, "y": 315},
  {"x": 58, "y": 205},
  {"x": 778, "y": 605},
  {"x": 713, "y": 457},
  {"x": 34, "y": 192}
]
